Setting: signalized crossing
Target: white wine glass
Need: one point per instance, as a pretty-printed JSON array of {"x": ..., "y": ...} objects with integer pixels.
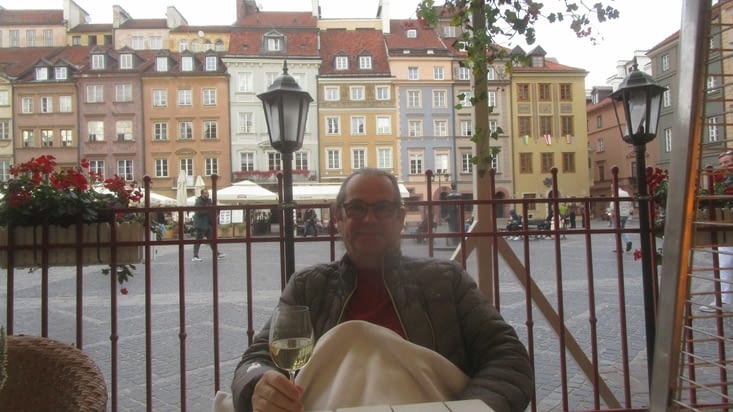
[{"x": 291, "y": 338}]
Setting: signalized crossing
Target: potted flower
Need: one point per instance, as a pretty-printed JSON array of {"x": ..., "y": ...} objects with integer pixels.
[{"x": 42, "y": 204}]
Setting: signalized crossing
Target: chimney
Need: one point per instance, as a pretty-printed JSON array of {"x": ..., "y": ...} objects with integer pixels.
[
  {"x": 246, "y": 8},
  {"x": 383, "y": 12}
]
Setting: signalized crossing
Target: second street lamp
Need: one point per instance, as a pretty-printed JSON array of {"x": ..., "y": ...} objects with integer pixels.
[
  {"x": 286, "y": 111},
  {"x": 640, "y": 98}
]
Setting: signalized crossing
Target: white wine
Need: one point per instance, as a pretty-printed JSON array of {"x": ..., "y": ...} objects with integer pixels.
[{"x": 291, "y": 354}]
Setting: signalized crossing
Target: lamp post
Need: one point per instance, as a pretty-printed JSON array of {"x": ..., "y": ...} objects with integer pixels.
[
  {"x": 286, "y": 112},
  {"x": 640, "y": 99}
]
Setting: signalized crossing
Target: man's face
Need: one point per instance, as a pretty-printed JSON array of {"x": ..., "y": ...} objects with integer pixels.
[
  {"x": 204, "y": 193},
  {"x": 368, "y": 238},
  {"x": 726, "y": 161}
]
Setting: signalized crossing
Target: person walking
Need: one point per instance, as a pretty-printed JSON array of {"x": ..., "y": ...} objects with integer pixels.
[
  {"x": 725, "y": 253},
  {"x": 203, "y": 222},
  {"x": 626, "y": 209}
]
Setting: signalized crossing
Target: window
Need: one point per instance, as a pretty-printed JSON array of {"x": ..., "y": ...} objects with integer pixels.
[
  {"x": 245, "y": 82},
  {"x": 566, "y": 126},
  {"x": 30, "y": 38},
  {"x": 301, "y": 160},
  {"x": 491, "y": 98},
  {"x": 333, "y": 159},
  {"x": 185, "y": 130},
  {"x": 333, "y": 125},
  {"x": 341, "y": 63},
  {"x": 194, "y": 45},
  {"x": 46, "y": 138},
  {"x": 97, "y": 167},
  {"x": 525, "y": 163},
  {"x": 524, "y": 126},
  {"x": 414, "y": 128},
  {"x": 156, "y": 42},
  {"x": 96, "y": 130},
  {"x": 466, "y": 128},
  {"x": 67, "y": 138},
  {"x": 210, "y": 129},
  {"x": 600, "y": 145},
  {"x": 46, "y": 104},
  {"x": 358, "y": 158},
  {"x": 490, "y": 73},
  {"x": 97, "y": 61},
  {"x": 4, "y": 129},
  {"x": 356, "y": 92},
  {"x": 185, "y": 97},
  {"x": 124, "y": 169},
  {"x": 439, "y": 99},
  {"x": 26, "y": 105},
  {"x": 14, "y": 36},
  {"x": 247, "y": 161},
  {"x": 47, "y": 38},
  {"x": 160, "y": 97},
  {"x": 95, "y": 93},
  {"x": 547, "y": 162},
  {"x": 413, "y": 73},
  {"x": 126, "y": 61},
  {"x": 160, "y": 131},
  {"x": 566, "y": 92},
  {"x": 65, "y": 104},
  {"x": 384, "y": 157},
  {"x": 440, "y": 128},
  {"x": 665, "y": 62},
  {"x": 438, "y": 73},
  {"x": 543, "y": 92},
  {"x": 416, "y": 163},
  {"x": 668, "y": 140},
  {"x": 466, "y": 162},
  {"x": 187, "y": 63},
  {"x": 713, "y": 129},
  {"x": 493, "y": 126},
  {"x": 411, "y": 33},
  {"x": 123, "y": 130},
  {"x": 358, "y": 126},
  {"x": 331, "y": 93},
  {"x": 601, "y": 167},
  {"x": 161, "y": 64},
  {"x": 29, "y": 140},
  {"x": 123, "y": 92},
  {"x": 138, "y": 43},
  {"x": 365, "y": 62},
  {"x": 414, "y": 98},
  {"x": 182, "y": 45},
  {"x": 568, "y": 162},
  {"x": 60, "y": 73},
  {"x": 449, "y": 31},
  {"x": 210, "y": 64},
  {"x": 41, "y": 73},
  {"x": 4, "y": 98},
  {"x": 382, "y": 92},
  {"x": 667, "y": 98},
  {"x": 76, "y": 40},
  {"x": 161, "y": 167},
  {"x": 494, "y": 162},
  {"x": 245, "y": 123},
  {"x": 274, "y": 44},
  {"x": 211, "y": 166},
  {"x": 384, "y": 125},
  {"x": 209, "y": 97},
  {"x": 465, "y": 97},
  {"x": 186, "y": 166},
  {"x": 523, "y": 92},
  {"x": 546, "y": 125},
  {"x": 464, "y": 73}
]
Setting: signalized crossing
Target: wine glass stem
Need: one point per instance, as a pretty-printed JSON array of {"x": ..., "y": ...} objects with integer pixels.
[{"x": 292, "y": 376}]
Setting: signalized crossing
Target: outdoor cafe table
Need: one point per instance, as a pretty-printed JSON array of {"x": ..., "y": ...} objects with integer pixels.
[{"x": 472, "y": 405}]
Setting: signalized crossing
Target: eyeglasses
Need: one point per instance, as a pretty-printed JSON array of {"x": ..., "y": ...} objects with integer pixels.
[{"x": 356, "y": 209}]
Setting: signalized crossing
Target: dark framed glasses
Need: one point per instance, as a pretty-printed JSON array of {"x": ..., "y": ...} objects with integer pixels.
[{"x": 356, "y": 209}]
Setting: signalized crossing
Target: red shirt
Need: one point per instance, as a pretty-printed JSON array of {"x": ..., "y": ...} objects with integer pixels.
[{"x": 371, "y": 302}]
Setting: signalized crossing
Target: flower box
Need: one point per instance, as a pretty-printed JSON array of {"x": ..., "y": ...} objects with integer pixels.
[
  {"x": 66, "y": 256},
  {"x": 714, "y": 227}
]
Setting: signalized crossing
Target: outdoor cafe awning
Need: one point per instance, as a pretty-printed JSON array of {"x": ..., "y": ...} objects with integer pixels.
[
  {"x": 326, "y": 192},
  {"x": 245, "y": 192}
]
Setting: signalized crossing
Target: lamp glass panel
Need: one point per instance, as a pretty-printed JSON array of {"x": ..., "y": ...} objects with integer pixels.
[
  {"x": 272, "y": 112},
  {"x": 638, "y": 109},
  {"x": 291, "y": 113},
  {"x": 655, "y": 105}
]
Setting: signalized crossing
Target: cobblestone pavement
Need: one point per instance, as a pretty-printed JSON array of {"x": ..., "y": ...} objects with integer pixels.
[{"x": 198, "y": 296}]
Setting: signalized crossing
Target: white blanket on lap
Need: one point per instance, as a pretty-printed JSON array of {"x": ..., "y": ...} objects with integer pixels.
[{"x": 358, "y": 363}]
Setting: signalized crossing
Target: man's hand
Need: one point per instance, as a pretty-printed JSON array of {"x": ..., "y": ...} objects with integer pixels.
[{"x": 274, "y": 392}]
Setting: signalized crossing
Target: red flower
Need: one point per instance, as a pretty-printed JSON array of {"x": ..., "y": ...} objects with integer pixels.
[
  {"x": 123, "y": 291},
  {"x": 637, "y": 254}
]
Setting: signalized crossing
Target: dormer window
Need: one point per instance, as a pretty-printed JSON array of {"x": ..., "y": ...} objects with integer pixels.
[
  {"x": 41, "y": 73},
  {"x": 60, "y": 73},
  {"x": 187, "y": 63},
  {"x": 210, "y": 63},
  {"x": 411, "y": 33},
  {"x": 365, "y": 62},
  {"x": 341, "y": 63},
  {"x": 274, "y": 42},
  {"x": 182, "y": 45},
  {"x": 538, "y": 61},
  {"x": 126, "y": 61},
  {"x": 161, "y": 64},
  {"x": 97, "y": 61}
]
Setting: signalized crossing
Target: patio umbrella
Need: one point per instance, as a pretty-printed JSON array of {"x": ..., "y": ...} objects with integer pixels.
[
  {"x": 181, "y": 190},
  {"x": 157, "y": 199},
  {"x": 198, "y": 185}
]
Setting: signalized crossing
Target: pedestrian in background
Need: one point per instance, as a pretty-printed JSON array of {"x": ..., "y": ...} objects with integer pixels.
[
  {"x": 626, "y": 209},
  {"x": 203, "y": 223}
]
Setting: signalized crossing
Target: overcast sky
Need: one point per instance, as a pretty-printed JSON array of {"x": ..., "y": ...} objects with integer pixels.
[{"x": 642, "y": 25}]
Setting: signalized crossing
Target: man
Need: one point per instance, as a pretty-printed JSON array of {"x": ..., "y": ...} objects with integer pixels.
[
  {"x": 202, "y": 224},
  {"x": 626, "y": 208},
  {"x": 429, "y": 302},
  {"x": 725, "y": 253}
]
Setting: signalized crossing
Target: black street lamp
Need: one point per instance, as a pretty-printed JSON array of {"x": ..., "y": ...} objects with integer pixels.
[
  {"x": 286, "y": 112},
  {"x": 641, "y": 97}
]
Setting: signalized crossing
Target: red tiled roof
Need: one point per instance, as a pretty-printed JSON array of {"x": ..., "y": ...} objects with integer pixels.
[
  {"x": 15, "y": 61},
  {"x": 426, "y": 38},
  {"x": 550, "y": 66},
  {"x": 142, "y": 24},
  {"x": 279, "y": 19},
  {"x": 205, "y": 29},
  {"x": 31, "y": 17},
  {"x": 298, "y": 43},
  {"x": 354, "y": 43},
  {"x": 92, "y": 28}
]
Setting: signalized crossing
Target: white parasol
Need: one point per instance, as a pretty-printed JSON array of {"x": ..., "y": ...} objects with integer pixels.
[
  {"x": 181, "y": 189},
  {"x": 198, "y": 185}
]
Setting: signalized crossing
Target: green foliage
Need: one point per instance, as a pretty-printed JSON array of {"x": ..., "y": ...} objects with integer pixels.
[{"x": 123, "y": 272}]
